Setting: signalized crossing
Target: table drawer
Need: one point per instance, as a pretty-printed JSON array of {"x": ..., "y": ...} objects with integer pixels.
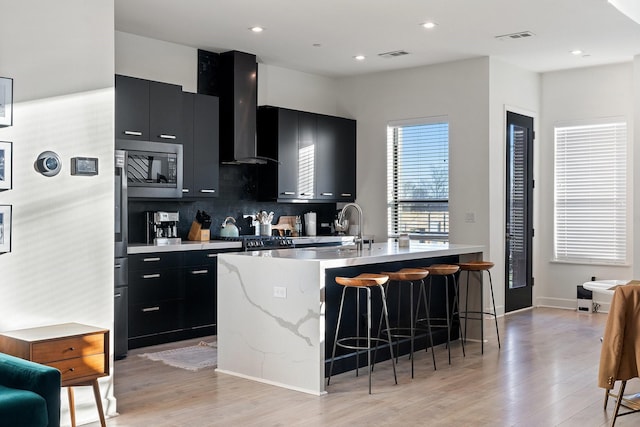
[
  {"x": 67, "y": 348},
  {"x": 79, "y": 367}
]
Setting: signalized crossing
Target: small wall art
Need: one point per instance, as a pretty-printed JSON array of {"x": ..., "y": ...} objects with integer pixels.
[
  {"x": 5, "y": 165},
  {"x": 5, "y": 228},
  {"x": 6, "y": 102}
]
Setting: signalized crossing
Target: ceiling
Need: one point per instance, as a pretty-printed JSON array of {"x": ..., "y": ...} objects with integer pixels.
[{"x": 322, "y": 37}]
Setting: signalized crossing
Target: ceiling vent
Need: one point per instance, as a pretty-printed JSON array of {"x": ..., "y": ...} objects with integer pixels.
[
  {"x": 514, "y": 36},
  {"x": 393, "y": 54}
]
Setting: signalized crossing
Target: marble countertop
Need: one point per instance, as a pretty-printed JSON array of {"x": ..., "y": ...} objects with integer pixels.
[
  {"x": 347, "y": 255},
  {"x": 187, "y": 245}
]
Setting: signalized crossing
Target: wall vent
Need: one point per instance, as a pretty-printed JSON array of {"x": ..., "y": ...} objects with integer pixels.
[
  {"x": 514, "y": 36},
  {"x": 393, "y": 54}
]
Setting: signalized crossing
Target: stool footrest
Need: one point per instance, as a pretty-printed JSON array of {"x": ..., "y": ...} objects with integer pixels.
[{"x": 340, "y": 342}]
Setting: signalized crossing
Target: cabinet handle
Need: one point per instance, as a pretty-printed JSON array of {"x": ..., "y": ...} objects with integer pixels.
[
  {"x": 117, "y": 266},
  {"x": 207, "y": 191},
  {"x": 306, "y": 194},
  {"x": 288, "y": 193},
  {"x": 200, "y": 272},
  {"x": 326, "y": 194},
  {"x": 212, "y": 255},
  {"x": 167, "y": 136},
  {"x": 151, "y": 276},
  {"x": 345, "y": 194},
  {"x": 147, "y": 310},
  {"x": 133, "y": 132},
  {"x": 185, "y": 190},
  {"x": 117, "y": 295},
  {"x": 151, "y": 259}
]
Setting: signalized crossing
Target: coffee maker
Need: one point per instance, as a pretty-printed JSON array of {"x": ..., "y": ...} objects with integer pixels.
[{"x": 162, "y": 227}]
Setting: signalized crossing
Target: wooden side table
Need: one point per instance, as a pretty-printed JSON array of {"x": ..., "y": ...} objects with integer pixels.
[{"x": 79, "y": 352}]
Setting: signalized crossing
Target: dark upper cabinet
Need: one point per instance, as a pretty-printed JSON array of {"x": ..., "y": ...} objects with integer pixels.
[
  {"x": 147, "y": 110},
  {"x": 316, "y": 156},
  {"x": 201, "y": 145},
  {"x": 132, "y": 108},
  {"x": 336, "y": 153}
]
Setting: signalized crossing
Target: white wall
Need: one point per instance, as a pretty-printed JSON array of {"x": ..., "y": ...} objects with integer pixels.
[
  {"x": 585, "y": 93},
  {"x": 458, "y": 90},
  {"x": 60, "y": 268},
  {"x": 152, "y": 59},
  {"x": 157, "y": 60}
]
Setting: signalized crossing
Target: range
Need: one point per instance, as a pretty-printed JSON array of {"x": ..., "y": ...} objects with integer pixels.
[{"x": 258, "y": 243}]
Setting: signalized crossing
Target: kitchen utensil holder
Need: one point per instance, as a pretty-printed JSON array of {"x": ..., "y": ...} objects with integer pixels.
[
  {"x": 265, "y": 229},
  {"x": 197, "y": 233}
]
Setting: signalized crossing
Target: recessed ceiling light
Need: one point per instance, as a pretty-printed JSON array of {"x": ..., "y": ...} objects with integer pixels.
[
  {"x": 576, "y": 52},
  {"x": 359, "y": 57},
  {"x": 257, "y": 29},
  {"x": 429, "y": 25}
]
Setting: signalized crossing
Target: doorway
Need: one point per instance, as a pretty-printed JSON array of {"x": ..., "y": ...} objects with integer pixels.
[{"x": 519, "y": 214}]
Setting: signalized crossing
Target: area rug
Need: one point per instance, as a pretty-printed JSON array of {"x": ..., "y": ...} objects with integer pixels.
[{"x": 193, "y": 358}]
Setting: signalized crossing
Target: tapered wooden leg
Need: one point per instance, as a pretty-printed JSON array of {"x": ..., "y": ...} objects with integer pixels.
[
  {"x": 618, "y": 402},
  {"x": 72, "y": 406},
  {"x": 96, "y": 394}
]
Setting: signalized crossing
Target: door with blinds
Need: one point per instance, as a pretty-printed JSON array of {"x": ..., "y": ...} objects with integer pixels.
[{"x": 519, "y": 204}]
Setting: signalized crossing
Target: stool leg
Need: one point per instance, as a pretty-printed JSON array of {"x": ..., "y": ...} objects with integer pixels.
[
  {"x": 466, "y": 306},
  {"x": 369, "y": 336},
  {"x": 412, "y": 324},
  {"x": 495, "y": 314},
  {"x": 335, "y": 340},
  {"x": 448, "y": 319},
  {"x": 423, "y": 293},
  {"x": 481, "y": 313},
  {"x": 456, "y": 310},
  {"x": 357, "y": 329},
  {"x": 386, "y": 317},
  {"x": 618, "y": 402}
]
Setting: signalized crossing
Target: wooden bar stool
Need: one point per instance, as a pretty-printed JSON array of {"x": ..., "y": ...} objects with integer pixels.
[
  {"x": 479, "y": 267},
  {"x": 446, "y": 271},
  {"x": 362, "y": 282},
  {"x": 408, "y": 276}
]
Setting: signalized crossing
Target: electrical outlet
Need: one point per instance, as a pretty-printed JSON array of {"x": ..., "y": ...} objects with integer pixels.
[
  {"x": 279, "y": 292},
  {"x": 470, "y": 217}
]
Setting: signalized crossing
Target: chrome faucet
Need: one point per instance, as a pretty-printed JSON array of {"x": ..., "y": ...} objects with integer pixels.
[{"x": 359, "y": 239}]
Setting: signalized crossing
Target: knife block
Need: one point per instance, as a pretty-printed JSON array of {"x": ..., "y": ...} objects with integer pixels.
[{"x": 196, "y": 233}]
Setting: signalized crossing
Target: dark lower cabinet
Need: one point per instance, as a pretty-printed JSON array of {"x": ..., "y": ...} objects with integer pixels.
[{"x": 172, "y": 296}]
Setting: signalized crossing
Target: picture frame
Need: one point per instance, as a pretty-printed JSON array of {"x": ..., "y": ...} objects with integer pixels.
[
  {"x": 6, "y": 101},
  {"x": 6, "y": 165},
  {"x": 5, "y": 228}
]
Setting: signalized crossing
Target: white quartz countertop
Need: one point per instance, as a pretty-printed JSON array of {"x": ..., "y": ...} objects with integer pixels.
[
  {"x": 187, "y": 245},
  {"x": 342, "y": 256}
]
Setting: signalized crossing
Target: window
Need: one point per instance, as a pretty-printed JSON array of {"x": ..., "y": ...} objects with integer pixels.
[
  {"x": 591, "y": 193},
  {"x": 418, "y": 178}
]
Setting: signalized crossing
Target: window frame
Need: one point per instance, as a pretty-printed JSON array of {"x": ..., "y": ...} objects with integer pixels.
[
  {"x": 393, "y": 225},
  {"x": 564, "y": 255}
]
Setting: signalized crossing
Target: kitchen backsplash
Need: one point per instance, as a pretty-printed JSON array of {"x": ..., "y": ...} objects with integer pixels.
[{"x": 237, "y": 197}]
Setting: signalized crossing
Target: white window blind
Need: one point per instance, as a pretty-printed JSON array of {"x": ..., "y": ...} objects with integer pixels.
[
  {"x": 591, "y": 193},
  {"x": 418, "y": 179}
]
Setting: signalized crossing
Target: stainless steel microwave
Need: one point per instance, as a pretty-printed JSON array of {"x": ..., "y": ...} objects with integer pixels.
[{"x": 153, "y": 169}]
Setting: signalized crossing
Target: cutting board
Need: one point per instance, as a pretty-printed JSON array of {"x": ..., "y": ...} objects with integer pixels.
[{"x": 285, "y": 222}]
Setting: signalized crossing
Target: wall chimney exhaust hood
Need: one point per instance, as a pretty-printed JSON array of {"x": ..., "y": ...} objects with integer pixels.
[{"x": 238, "y": 90}]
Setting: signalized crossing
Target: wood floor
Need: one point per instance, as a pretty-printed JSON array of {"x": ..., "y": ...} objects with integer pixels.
[{"x": 544, "y": 375}]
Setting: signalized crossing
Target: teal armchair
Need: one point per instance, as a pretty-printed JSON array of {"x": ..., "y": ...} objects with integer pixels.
[{"x": 29, "y": 393}]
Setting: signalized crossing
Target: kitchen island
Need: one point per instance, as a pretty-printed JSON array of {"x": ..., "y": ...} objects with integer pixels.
[{"x": 277, "y": 309}]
